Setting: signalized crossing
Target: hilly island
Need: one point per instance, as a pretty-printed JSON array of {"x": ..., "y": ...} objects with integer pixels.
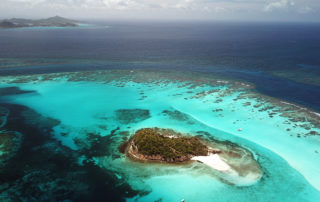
[{"x": 55, "y": 21}]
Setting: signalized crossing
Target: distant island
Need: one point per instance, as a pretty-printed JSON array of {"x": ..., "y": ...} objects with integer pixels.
[{"x": 56, "y": 21}]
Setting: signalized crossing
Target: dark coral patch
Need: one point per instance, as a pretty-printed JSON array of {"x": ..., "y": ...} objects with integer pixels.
[
  {"x": 4, "y": 113},
  {"x": 45, "y": 170},
  {"x": 177, "y": 115},
  {"x": 96, "y": 145},
  {"x": 10, "y": 142},
  {"x": 13, "y": 91},
  {"x": 127, "y": 116}
]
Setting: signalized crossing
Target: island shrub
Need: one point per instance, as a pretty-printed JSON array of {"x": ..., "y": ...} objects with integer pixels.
[{"x": 150, "y": 142}]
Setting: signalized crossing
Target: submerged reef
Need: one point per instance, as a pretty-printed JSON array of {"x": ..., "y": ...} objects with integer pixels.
[
  {"x": 34, "y": 166},
  {"x": 4, "y": 112},
  {"x": 10, "y": 142},
  {"x": 127, "y": 116},
  {"x": 177, "y": 115},
  {"x": 13, "y": 91},
  {"x": 76, "y": 145}
]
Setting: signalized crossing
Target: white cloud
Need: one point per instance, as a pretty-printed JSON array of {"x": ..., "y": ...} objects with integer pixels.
[
  {"x": 161, "y": 9},
  {"x": 305, "y": 10},
  {"x": 219, "y": 9},
  {"x": 29, "y": 2},
  {"x": 279, "y": 5},
  {"x": 122, "y": 4},
  {"x": 184, "y": 4}
]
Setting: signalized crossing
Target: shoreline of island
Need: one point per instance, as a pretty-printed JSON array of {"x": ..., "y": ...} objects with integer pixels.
[
  {"x": 55, "y": 21},
  {"x": 232, "y": 164}
]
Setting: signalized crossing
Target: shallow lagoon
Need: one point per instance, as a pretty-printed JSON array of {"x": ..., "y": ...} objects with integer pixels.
[{"x": 87, "y": 105}]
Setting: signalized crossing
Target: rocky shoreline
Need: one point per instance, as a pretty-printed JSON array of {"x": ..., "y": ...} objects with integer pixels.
[{"x": 232, "y": 163}]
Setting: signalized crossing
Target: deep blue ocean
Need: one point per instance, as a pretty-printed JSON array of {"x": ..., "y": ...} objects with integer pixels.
[
  {"x": 61, "y": 140},
  {"x": 245, "y": 51}
]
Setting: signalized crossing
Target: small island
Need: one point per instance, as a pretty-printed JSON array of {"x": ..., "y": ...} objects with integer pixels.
[
  {"x": 159, "y": 145},
  {"x": 56, "y": 21},
  {"x": 231, "y": 162}
]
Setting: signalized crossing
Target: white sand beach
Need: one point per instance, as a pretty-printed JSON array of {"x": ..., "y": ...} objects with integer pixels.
[
  {"x": 214, "y": 161},
  {"x": 227, "y": 172}
]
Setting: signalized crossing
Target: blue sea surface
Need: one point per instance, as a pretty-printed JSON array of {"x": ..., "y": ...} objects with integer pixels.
[
  {"x": 70, "y": 97},
  {"x": 248, "y": 51}
]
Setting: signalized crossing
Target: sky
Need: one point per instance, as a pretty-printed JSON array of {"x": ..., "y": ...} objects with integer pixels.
[{"x": 219, "y": 10}]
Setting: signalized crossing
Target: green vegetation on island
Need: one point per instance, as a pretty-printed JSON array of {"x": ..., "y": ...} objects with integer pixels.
[{"x": 164, "y": 145}]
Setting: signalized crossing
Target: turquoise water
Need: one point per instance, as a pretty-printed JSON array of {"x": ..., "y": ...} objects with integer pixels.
[{"x": 214, "y": 108}]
